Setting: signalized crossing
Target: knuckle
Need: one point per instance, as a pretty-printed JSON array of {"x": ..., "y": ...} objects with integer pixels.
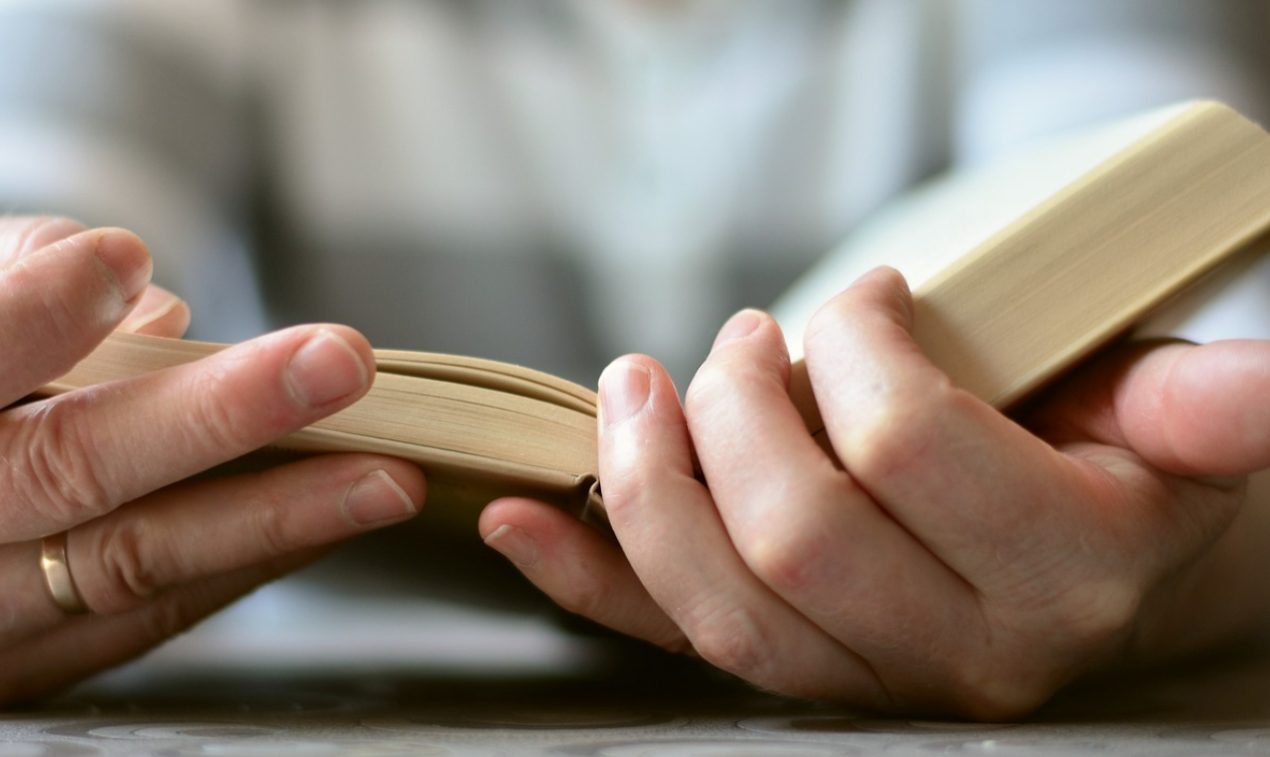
[
  {"x": 588, "y": 597},
  {"x": 128, "y": 565},
  {"x": 631, "y": 487},
  {"x": 784, "y": 562},
  {"x": 58, "y": 312},
  {"x": 896, "y": 434},
  {"x": 32, "y": 233},
  {"x": 215, "y": 414},
  {"x": 883, "y": 445},
  {"x": 54, "y": 464},
  {"x": 229, "y": 415},
  {"x": 63, "y": 312},
  {"x": 628, "y": 481},
  {"x": 822, "y": 324},
  {"x": 272, "y": 528},
  {"x": 825, "y": 327},
  {"x": 722, "y": 383},
  {"x": 708, "y": 389},
  {"x": 621, "y": 485},
  {"x": 789, "y": 553},
  {"x": 733, "y": 641},
  {"x": 1095, "y": 614}
]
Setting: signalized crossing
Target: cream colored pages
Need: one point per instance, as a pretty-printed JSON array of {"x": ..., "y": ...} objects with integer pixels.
[
  {"x": 930, "y": 227},
  {"x": 491, "y": 374},
  {"x": 478, "y": 427},
  {"x": 1080, "y": 267}
]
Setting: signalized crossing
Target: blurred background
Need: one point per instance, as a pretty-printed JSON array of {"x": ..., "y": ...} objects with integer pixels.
[{"x": 552, "y": 182}]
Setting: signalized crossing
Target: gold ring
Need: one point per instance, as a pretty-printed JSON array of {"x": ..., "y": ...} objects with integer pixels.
[{"x": 57, "y": 575}]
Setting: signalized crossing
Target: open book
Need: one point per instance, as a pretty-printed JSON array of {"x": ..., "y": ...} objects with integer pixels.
[
  {"x": 479, "y": 428},
  {"x": 1093, "y": 240}
]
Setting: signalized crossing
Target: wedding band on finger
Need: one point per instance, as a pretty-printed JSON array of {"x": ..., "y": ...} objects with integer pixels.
[{"x": 57, "y": 575}]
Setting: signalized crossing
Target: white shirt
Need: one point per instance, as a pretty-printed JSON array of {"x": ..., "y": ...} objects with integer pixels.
[{"x": 551, "y": 183}]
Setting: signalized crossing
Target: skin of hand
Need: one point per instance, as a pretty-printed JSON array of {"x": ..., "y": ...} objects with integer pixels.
[
  {"x": 149, "y": 552},
  {"x": 963, "y": 562}
]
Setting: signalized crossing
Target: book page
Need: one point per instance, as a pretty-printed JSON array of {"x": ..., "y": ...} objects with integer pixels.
[{"x": 929, "y": 228}]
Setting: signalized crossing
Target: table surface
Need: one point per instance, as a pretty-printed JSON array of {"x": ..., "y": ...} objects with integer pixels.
[{"x": 286, "y": 674}]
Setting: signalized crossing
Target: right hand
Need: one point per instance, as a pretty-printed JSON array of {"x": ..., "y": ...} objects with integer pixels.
[
  {"x": 944, "y": 558},
  {"x": 150, "y": 556}
]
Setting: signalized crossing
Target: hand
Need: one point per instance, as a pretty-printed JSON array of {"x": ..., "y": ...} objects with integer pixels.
[
  {"x": 960, "y": 563},
  {"x": 149, "y": 556}
]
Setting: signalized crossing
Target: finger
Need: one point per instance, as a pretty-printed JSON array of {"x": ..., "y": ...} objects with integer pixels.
[
  {"x": 1186, "y": 409},
  {"x": 20, "y": 235},
  {"x": 196, "y": 530},
  {"x": 975, "y": 488},
  {"x": 158, "y": 313},
  {"x": 577, "y": 568},
  {"x": 670, "y": 532},
  {"x": 808, "y": 531},
  {"x": 75, "y": 457},
  {"x": 85, "y": 645},
  {"x": 58, "y": 302}
]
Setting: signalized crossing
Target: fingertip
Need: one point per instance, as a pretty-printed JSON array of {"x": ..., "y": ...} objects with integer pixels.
[
  {"x": 359, "y": 345},
  {"x": 885, "y": 289},
  {"x": 636, "y": 388},
  {"x": 880, "y": 290},
  {"x": 576, "y": 567},
  {"x": 127, "y": 258},
  {"x": 632, "y": 361},
  {"x": 378, "y": 499},
  {"x": 640, "y": 360},
  {"x": 624, "y": 389},
  {"x": 740, "y": 325},
  {"x": 876, "y": 311},
  {"x": 409, "y": 478},
  {"x": 497, "y": 513},
  {"x": 330, "y": 366},
  {"x": 158, "y": 313},
  {"x": 61, "y": 300},
  {"x": 1212, "y": 415},
  {"x": 884, "y": 276},
  {"x": 354, "y": 340},
  {"x": 516, "y": 528},
  {"x": 522, "y": 512}
]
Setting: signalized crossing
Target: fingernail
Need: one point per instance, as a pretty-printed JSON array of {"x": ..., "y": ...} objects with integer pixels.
[
  {"x": 375, "y": 499},
  {"x": 128, "y": 260},
  {"x": 514, "y": 544},
  {"x": 624, "y": 389},
  {"x": 742, "y": 324},
  {"x": 325, "y": 369}
]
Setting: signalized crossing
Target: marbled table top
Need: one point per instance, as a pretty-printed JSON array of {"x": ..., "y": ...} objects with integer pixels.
[{"x": 284, "y": 675}]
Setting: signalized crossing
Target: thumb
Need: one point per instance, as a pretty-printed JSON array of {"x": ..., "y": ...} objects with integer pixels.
[{"x": 1186, "y": 409}]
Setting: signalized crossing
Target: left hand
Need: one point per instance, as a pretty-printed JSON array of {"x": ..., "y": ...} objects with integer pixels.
[
  {"x": 107, "y": 546},
  {"x": 961, "y": 562}
]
